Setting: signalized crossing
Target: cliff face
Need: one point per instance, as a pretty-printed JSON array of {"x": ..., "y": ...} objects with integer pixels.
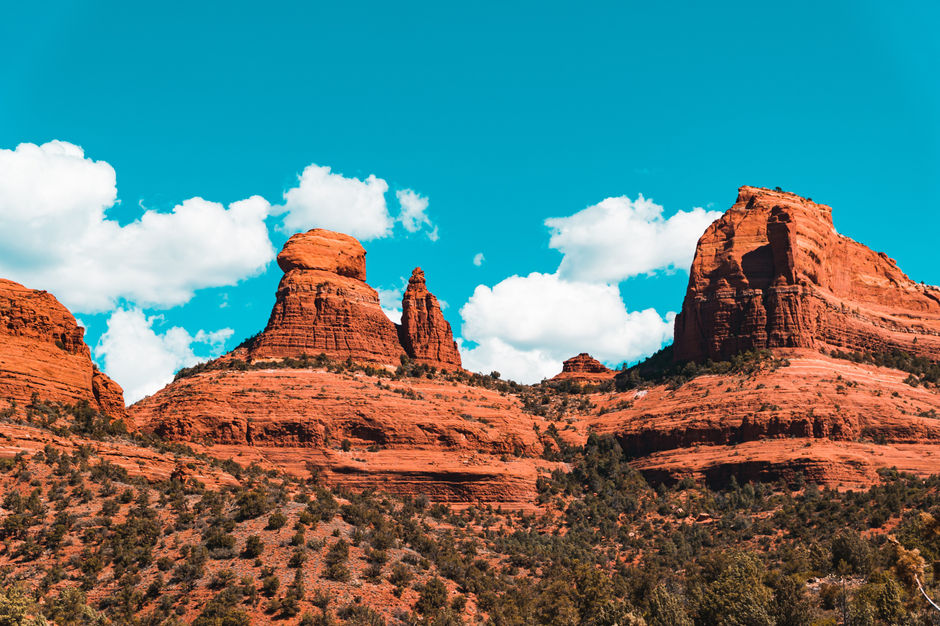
[
  {"x": 424, "y": 333},
  {"x": 323, "y": 304},
  {"x": 835, "y": 421},
  {"x": 42, "y": 351},
  {"x": 412, "y": 436},
  {"x": 772, "y": 272}
]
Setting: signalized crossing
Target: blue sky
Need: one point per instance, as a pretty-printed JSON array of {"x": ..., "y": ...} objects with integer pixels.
[{"x": 500, "y": 115}]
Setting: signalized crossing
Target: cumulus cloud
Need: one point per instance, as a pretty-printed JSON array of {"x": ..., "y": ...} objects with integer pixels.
[
  {"x": 495, "y": 355},
  {"x": 390, "y": 301},
  {"x": 324, "y": 199},
  {"x": 143, "y": 360},
  {"x": 525, "y": 326},
  {"x": 414, "y": 214},
  {"x": 619, "y": 238},
  {"x": 55, "y": 235},
  {"x": 478, "y": 259}
]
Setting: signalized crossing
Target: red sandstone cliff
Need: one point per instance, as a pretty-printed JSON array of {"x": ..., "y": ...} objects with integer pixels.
[
  {"x": 584, "y": 368},
  {"x": 323, "y": 304},
  {"x": 42, "y": 351},
  {"x": 424, "y": 333},
  {"x": 772, "y": 272},
  {"x": 439, "y": 437}
]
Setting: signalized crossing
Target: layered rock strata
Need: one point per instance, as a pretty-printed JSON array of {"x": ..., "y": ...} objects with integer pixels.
[
  {"x": 772, "y": 272},
  {"x": 411, "y": 436},
  {"x": 323, "y": 305},
  {"x": 43, "y": 352},
  {"x": 835, "y": 421},
  {"x": 424, "y": 333}
]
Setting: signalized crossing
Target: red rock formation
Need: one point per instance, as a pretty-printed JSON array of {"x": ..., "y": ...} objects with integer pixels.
[
  {"x": 42, "y": 351},
  {"x": 834, "y": 419},
  {"x": 323, "y": 304},
  {"x": 424, "y": 333},
  {"x": 446, "y": 440},
  {"x": 584, "y": 368},
  {"x": 773, "y": 272}
]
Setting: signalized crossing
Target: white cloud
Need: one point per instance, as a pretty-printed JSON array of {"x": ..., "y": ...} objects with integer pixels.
[
  {"x": 54, "y": 235},
  {"x": 619, "y": 238},
  {"x": 390, "y": 301},
  {"x": 494, "y": 354},
  {"x": 478, "y": 259},
  {"x": 323, "y": 199},
  {"x": 413, "y": 214},
  {"x": 142, "y": 360},
  {"x": 525, "y": 326}
]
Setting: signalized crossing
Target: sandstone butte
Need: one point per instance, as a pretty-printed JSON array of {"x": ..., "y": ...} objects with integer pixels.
[
  {"x": 584, "y": 368},
  {"x": 444, "y": 439},
  {"x": 773, "y": 273},
  {"x": 42, "y": 351},
  {"x": 323, "y": 305}
]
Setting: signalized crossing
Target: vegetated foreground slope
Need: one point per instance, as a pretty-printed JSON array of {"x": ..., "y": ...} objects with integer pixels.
[{"x": 86, "y": 541}]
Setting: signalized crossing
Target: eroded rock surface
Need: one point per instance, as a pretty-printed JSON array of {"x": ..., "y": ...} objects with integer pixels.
[
  {"x": 836, "y": 420},
  {"x": 449, "y": 441},
  {"x": 42, "y": 351},
  {"x": 425, "y": 334},
  {"x": 324, "y": 306},
  {"x": 772, "y": 272},
  {"x": 584, "y": 368}
]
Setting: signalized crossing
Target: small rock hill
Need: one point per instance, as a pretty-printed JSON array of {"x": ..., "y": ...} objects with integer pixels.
[
  {"x": 584, "y": 368},
  {"x": 43, "y": 352},
  {"x": 773, "y": 274}
]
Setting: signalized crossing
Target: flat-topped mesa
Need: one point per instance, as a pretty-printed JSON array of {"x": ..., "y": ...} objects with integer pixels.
[
  {"x": 772, "y": 272},
  {"x": 584, "y": 367},
  {"x": 42, "y": 351},
  {"x": 424, "y": 333},
  {"x": 323, "y": 304}
]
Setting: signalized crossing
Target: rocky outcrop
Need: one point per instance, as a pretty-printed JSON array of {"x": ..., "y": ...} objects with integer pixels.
[
  {"x": 433, "y": 435},
  {"x": 837, "y": 420},
  {"x": 772, "y": 272},
  {"x": 323, "y": 304},
  {"x": 411, "y": 436},
  {"x": 424, "y": 333},
  {"x": 42, "y": 351},
  {"x": 584, "y": 368}
]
